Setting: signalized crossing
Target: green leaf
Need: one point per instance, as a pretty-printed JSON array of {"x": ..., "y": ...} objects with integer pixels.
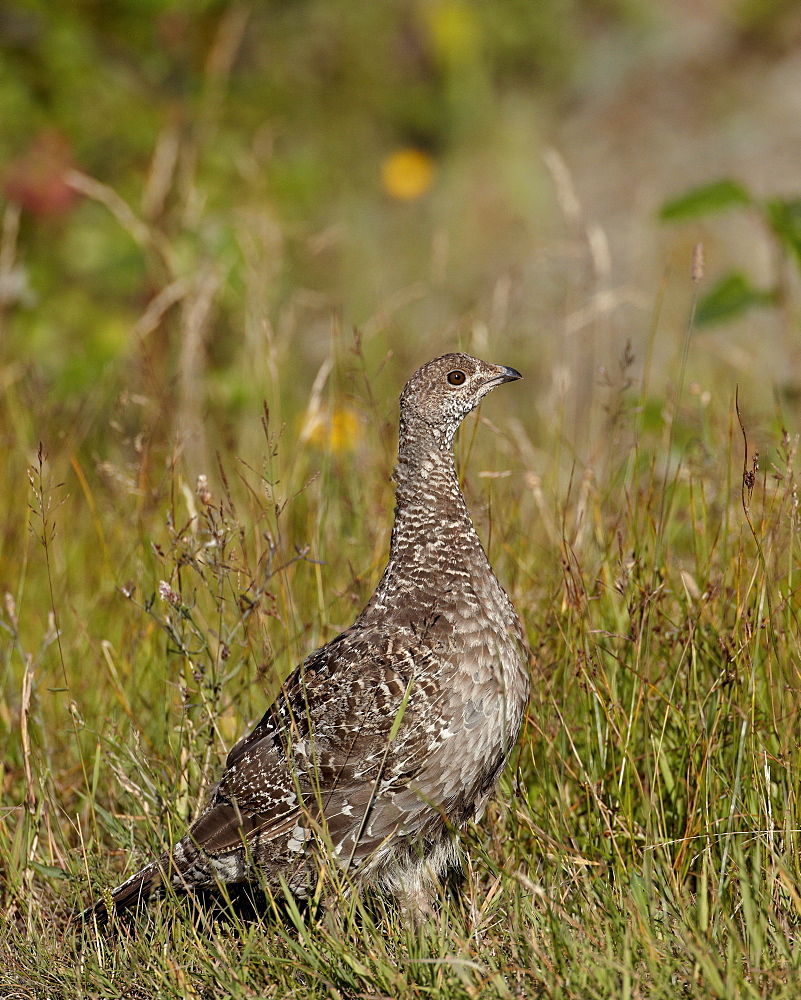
[
  {"x": 400, "y": 713},
  {"x": 48, "y": 871},
  {"x": 785, "y": 219},
  {"x": 730, "y": 297},
  {"x": 704, "y": 200}
]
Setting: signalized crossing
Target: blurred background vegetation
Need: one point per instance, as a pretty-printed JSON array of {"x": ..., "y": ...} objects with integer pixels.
[{"x": 429, "y": 172}]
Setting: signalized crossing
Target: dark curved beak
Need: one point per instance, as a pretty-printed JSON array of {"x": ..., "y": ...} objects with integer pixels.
[{"x": 508, "y": 374}]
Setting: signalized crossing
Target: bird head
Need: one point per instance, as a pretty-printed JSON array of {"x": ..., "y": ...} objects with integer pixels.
[{"x": 441, "y": 394}]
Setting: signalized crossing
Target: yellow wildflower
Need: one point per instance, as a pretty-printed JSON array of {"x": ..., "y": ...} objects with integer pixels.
[{"x": 407, "y": 174}]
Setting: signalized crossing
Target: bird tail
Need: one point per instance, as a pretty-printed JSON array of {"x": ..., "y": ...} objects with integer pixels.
[{"x": 131, "y": 893}]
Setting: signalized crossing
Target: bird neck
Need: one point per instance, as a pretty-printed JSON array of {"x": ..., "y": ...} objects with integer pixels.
[
  {"x": 426, "y": 484},
  {"x": 434, "y": 551},
  {"x": 433, "y": 533}
]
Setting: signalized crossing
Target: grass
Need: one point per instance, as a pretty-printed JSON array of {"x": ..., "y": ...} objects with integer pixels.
[{"x": 645, "y": 842}]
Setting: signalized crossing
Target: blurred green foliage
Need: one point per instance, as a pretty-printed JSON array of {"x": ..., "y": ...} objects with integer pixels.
[
  {"x": 733, "y": 293},
  {"x": 279, "y": 110},
  {"x": 250, "y": 137}
]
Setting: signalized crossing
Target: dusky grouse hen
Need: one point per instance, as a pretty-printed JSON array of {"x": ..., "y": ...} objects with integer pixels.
[{"x": 393, "y": 734}]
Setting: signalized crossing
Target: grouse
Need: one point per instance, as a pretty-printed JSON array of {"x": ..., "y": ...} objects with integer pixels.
[{"x": 392, "y": 736}]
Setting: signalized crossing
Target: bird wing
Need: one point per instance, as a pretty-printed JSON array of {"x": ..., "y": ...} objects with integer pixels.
[
  {"x": 357, "y": 721},
  {"x": 256, "y": 795},
  {"x": 369, "y": 710}
]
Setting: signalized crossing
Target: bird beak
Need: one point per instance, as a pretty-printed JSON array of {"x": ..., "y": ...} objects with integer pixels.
[{"x": 507, "y": 374}]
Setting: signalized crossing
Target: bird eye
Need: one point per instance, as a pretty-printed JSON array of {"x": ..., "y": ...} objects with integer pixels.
[{"x": 456, "y": 377}]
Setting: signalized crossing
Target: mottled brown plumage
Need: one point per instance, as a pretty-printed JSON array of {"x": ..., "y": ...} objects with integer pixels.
[{"x": 395, "y": 732}]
